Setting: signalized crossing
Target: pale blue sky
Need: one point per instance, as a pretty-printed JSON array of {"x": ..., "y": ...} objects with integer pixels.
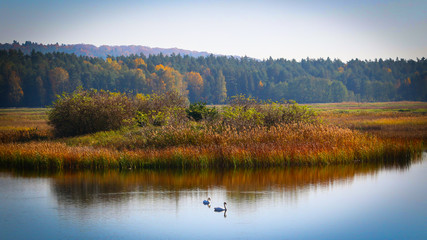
[{"x": 364, "y": 29}]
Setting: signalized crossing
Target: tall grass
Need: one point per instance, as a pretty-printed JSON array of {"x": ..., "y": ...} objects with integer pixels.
[
  {"x": 396, "y": 125},
  {"x": 23, "y": 135},
  {"x": 402, "y": 106},
  {"x": 23, "y": 125},
  {"x": 169, "y": 147},
  {"x": 246, "y": 134}
]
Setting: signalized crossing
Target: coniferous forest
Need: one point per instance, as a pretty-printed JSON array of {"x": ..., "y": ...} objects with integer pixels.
[{"x": 34, "y": 80}]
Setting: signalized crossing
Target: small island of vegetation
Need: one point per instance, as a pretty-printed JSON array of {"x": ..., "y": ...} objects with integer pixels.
[
  {"x": 93, "y": 129},
  {"x": 140, "y": 116}
]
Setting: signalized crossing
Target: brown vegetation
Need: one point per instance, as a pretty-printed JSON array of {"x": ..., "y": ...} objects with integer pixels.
[
  {"x": 396, "y": 120},
  {"x": 216, "y": 144}
]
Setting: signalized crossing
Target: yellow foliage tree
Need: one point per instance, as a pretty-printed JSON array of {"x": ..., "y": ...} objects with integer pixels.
[
  {"x": 139, "y": 62},
  {"x": 195, "y": 85},
  {"x": 168, "y": 79},
  {"x": 114, "y": 64},
  {"x": 221, "y": 88},
  {"x": 58, "y": 78}
]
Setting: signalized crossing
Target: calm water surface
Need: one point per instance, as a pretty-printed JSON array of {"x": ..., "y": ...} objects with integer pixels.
[{"x": 335, "y": 202}]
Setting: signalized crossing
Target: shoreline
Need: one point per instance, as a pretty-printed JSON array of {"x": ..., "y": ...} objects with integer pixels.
[{"x": 59, "y": 156}]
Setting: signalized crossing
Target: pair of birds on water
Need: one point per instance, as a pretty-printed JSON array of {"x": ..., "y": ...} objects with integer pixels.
[{"x": 217, "y": 209}]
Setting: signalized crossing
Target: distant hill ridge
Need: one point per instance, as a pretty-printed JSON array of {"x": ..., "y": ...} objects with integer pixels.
[{"x": 94, "y": 51}]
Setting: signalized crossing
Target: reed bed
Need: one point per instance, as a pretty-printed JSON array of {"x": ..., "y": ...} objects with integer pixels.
[
  {"x": 23, "y": 125},
  {"x": 27, "y": 142},
  {"x": 402, "y": 106},
  {"x": 396, "y": 125},
  {"x": 24, "y": 135},
  {"x": 209, "y": 147},
  {"x": 12, "y": 119}
]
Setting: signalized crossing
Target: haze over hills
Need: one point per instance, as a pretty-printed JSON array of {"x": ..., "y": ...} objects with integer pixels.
[{"x": 94, "y": 51}]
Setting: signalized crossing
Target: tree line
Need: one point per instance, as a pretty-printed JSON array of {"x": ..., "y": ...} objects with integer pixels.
[
  {"x": 34, "y": 80},
  {"x": 92, "y": 51}
]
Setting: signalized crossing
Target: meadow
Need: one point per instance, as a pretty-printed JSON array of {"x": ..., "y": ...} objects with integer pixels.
[
  {"x": 397, "y": 120},
  {"x": 346, "y": 133},
  {"x": 24, "y": 124}
]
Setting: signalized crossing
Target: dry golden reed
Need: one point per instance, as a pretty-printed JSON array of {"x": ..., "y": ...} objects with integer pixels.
[
  {"x": 184, "y": 147},
  {"x": 347, "y": 137}
]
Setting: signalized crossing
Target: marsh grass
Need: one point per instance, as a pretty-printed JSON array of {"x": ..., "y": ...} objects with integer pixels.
[
  {"x": 392, "y": 120},
  {"x": 395, "y": 125},
  {"x": 23, "y": 118},
  {"x": 285, "y": 145},
  {"x": 23, "y": 125},
  {"x": 349, "y": 137},
  {"x": 357, "y": 107}
]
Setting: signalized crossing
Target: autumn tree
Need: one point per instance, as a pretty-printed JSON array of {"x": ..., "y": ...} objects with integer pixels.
[
  {"x": 15, "y": 92},
  {"x": 139, "y": 63},
  {"x": 195, "y": 85},
  {"x": 221, "y": 88},
  {"x": 169, "y": 79},
  {"x": 114, "y": 64},
  {"x": 58, "y": 78},
  {"x": 38, "y": 77}
]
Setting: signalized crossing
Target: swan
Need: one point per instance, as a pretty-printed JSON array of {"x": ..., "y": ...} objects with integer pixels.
[
  {"x": 218, "y": 209},
  {"x": 207, "y": 202}
]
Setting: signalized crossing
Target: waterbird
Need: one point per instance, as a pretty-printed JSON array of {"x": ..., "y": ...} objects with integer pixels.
[
  {"x": 207, "y": 202},
  {"x": 218, "y": 209}
]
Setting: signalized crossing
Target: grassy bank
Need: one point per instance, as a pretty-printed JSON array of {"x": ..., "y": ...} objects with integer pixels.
[
  {"x": 396, "y": 120},
  {"x": 24, "y": 124},
  {"x": 340, "y": 139},
  {"x": 280, "y": 146},
  {"x": 403, "y": 106}
]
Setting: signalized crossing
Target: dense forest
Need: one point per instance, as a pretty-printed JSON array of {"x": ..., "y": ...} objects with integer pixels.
[{"x": 34, "y": 80}]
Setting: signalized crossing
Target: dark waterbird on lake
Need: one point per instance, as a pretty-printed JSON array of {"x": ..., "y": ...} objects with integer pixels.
[{"x": 219, "y": 209}]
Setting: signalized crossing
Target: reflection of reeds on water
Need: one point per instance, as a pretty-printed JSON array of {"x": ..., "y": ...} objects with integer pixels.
[{"x": 84, "y": 187}]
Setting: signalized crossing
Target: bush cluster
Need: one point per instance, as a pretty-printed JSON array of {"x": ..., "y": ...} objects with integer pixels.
[
  {"x": 90, "y": 111},
  {"x": 160, "y": 110},
  {"x": 244, "y": 112},
  {"x": 199, "y": 111}
]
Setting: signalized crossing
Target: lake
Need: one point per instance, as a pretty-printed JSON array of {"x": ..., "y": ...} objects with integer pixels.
[{"x": 375, "y": 201}]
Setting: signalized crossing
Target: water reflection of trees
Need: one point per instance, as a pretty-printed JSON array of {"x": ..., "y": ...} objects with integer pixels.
[{"x": 84, "y": 188}]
